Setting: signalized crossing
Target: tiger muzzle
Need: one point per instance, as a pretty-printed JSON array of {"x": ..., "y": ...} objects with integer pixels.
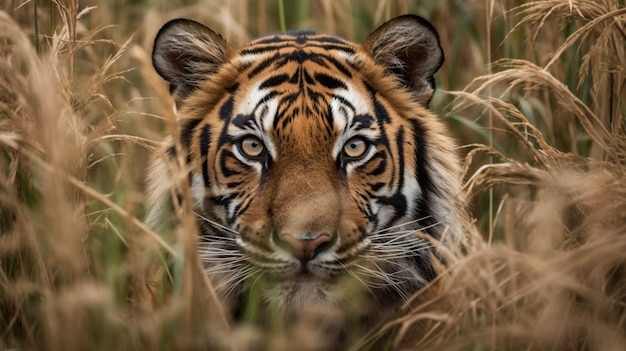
[{"x": 306, "y": 211}]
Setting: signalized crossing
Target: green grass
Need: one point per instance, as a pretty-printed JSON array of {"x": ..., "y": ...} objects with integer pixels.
[{"x": 534, "y": 89}]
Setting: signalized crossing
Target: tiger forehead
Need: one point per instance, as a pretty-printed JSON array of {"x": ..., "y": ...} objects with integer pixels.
[
  {"x": 283, "y": 51},
  {"x": 299, "y": 83},
  {"x": 299, "y": 38}
]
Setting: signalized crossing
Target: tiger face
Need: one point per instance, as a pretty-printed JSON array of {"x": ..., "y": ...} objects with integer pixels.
[{"x": 312, "y": 160}]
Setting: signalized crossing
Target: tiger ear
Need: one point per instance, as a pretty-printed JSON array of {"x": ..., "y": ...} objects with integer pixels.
[
  {"x": 185, "y": 53},
  {"x": 408, "y": 47}
]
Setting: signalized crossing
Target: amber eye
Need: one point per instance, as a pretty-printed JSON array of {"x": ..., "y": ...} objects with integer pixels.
[
  {"x": 251, "y": 147},
  {"x": 355, "y": 148}
]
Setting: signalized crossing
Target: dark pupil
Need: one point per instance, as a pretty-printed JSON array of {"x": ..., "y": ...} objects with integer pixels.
[
  {"x": 353, "y": 145},
  {"x": 254, "y": 144}
]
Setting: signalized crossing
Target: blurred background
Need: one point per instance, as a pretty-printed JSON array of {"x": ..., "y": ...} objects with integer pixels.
[{"x": 532, "y": 90}]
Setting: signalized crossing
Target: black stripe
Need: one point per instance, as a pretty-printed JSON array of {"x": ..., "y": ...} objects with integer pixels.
[
  {"x": 224, "y": 156},
  {"x": 329, "y": 82},
  {"x": 331, "y": 39},
  {"x": 255, "y": 49},
  {"x": 377, "y": 186},
  {"x": 314, "y": 96},
  {"x": 343, "y": 69},
  {"x": 382, "y": 165},
  {"x": 205, "y": 140},
  {"x": 382, "y": 118},
  {"x": 286, "y": 120},
  {"x": 263, "y": 65},
  {"x": 424, "y": 265},
  {"x": 242, "y": 121},
  {"x": 266, "y": 98},
  {"x": 274, "y": 81},
  {"x": 329, "y": 119},
  {"x": 424, "y": 180},
  {"x": 329, "y": 47},
  {"x": 344, "y": 102},
  {"x": 242, "y": 207},
  {"x": 233, "y": 88},
  {"x": 221, "y": 200},
  {"x": 371, "y": 216},
  {"x": 307, "y": 78},
  {"x": 364, "y": 121},
  {"x": 379, "y": 110},
  {"x": 319, "y": 60},
  {"x": 265, "y": 48},
  {"x": 226, "y": 111},
  {"x": 397, "y": 201},
  {"x": 186, "y": 132},
  {"x": 400, "y": 145},
  {"x": 310, "y": 35}
]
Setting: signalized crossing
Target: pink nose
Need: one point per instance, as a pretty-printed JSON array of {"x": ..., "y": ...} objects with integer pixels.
[{"x": 303, "y": 249}]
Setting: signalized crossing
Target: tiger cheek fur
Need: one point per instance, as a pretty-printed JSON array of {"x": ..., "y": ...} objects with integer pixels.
[{"x": 313, "y": 161}]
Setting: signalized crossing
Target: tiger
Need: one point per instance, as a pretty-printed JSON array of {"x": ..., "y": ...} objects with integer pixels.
[{"x": 314, "y": 163}]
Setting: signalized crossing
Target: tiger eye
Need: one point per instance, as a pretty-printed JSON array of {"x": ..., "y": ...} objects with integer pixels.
[
  {"x": 251, "y": 146},
  {"x": 355, "y": 148}
]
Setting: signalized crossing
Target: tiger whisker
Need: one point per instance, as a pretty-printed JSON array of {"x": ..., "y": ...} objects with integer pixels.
[
  {"x": 402, "y": 247},
  {"x": 404, "y": 234},
  {"x": 390, "y": 258},
  {"x": 356, "y": 276},
  {"x": 387, "y": 280},
  {"x": 217, "y": 238},
  {"x": 387, "y": 261},
  {"x": 401, "y": 225},
  {"x": 393, "y": 234},
  {"x": 232, "y": 282},
  {"x": 409, "y": 250},
  {"x": 222, "y": 270},
  {"x": 219, "y": 250},
  {"x": 393, "y": 280},
  {"x": 223, "y": 263},
  {"x": 215, "y": 224},
  {"x": 220, "y": 256},
  {"x": 246, "y": 274}
]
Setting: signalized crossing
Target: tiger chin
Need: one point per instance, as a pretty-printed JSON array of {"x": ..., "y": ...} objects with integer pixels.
[{"x": 319, "y": 178}]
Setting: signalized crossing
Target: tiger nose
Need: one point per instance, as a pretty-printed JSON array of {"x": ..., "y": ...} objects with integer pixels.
[{"x": 304, "y": 249}]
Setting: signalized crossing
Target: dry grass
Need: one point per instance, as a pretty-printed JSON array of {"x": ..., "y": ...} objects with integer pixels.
[{"x": 544, "y": 121}]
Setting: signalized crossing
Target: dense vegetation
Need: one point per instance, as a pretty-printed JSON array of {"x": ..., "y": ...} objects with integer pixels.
[{"x": 534, "y": 90}]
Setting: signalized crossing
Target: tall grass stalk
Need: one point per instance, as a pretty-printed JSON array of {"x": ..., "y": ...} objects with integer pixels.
[
  {"x": 36, "y": 23},
  {"x": 281, "y": 16}
]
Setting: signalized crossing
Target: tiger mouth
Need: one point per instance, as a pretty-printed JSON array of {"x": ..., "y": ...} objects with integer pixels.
[{"x": 333, "y": 264}]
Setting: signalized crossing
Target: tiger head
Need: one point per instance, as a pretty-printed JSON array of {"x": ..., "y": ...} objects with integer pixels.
[{"x": 313, "y": 160}]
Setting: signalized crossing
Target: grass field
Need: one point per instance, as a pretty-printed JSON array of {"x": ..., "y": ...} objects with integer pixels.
[{"x": 534, "y": 90}]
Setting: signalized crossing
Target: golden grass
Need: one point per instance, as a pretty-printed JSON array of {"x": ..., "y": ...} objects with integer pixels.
[{"x": 79, "y": 117}]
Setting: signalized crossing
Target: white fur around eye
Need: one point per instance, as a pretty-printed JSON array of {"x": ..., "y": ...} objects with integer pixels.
[
  {"x": 264, "y": 114},
  {"x": 341, "y": 114},
  {"x": 267, "y": 114}
]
